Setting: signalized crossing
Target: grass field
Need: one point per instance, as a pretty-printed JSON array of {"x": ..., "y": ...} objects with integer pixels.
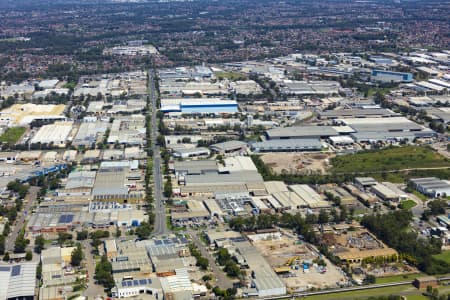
[
  {"x": 445, "y": 256},
  {"x": 408, "y": 204},
  {"x": 12, "y": 135},
  {"x": 233, "y": 76},
  {"x": 393, "y": 158},
  {"x": 420, "y": 195},
  {"x": 397, "y": 278}
]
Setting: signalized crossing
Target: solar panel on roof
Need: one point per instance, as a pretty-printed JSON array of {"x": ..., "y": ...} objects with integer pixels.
[
  {"x": 174, "y": 240},
  {"x": 69, "y": 218},
  {"x": 167, "y": 242},
  {"x": 184, "y": 240},
  {"x": 4, "y": 269},
  {"x": 136, "y": 282},
  {"x": 129, "y": 283},
  {"x": 124, "y": 284},
  {"x": 15, "y": 271},
  {"x": 142, "y": 281},
  {"x": 149, "y": 281},
  {"x": 158, "y": 242},
  {"x": 62, "y": 219}
]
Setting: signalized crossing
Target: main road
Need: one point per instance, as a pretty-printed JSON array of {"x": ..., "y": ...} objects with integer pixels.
[{"x": 159, "y": 207}]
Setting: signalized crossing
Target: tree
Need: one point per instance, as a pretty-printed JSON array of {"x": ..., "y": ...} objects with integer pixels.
[
  {"x": 103, "y": 273},
  {"x": 20, "y": 244},
  {"x": 39, "y": 243},
  {"x": 6, "y": 256},
  {"x": 2, "y": 244},
  {"x": 323, "y": 216},
  {"x": 82, "y": 235},
  {"x": 63, "y": 237},
  {"x": 370, "y": 279},
  {"x": 143, "y": 231},
  {"x": 77, "y": 256},
  {"x": 29, "y": 255}
]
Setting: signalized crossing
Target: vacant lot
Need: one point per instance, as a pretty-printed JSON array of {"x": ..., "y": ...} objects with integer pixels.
[
  {"x": 389, "y": 159},
  {"x": 297, "y": 163},
  {"x": 12, "y": 135}
]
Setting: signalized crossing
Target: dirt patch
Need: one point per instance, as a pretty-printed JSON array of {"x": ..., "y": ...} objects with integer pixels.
[{"x": 298, "y": 163}]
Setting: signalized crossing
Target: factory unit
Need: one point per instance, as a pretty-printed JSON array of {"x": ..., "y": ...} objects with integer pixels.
[
  {"x": 264, "y": 281},
  {"x": 90, "y": 133},
  {"x": 199, "y": 106},
  {"x": 18, "y": 281},
  {"x": 385, "y": 193},
  {"x": 287, "y": 145},
  {"x": 432, "y": 186},
  {"x": 311, "y": 198},
  {"x": 56, "y": 134},
  {"x": 301, "y": 132},
  {"x": 389, "y": 76},
  {"x": 357, "y": 113}
]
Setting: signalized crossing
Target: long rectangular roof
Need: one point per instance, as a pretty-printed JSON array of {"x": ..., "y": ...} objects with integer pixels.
[{"x": 301, "y": 132}]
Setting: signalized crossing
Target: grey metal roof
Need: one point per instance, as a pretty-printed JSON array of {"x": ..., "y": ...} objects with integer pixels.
[
  {"x": 301, "y": 132},
  {"x": 287, "y": 145},
  {"x": 358, "y": 113}
]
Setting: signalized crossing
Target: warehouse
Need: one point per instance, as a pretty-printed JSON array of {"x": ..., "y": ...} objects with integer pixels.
[
  {"x": 289, "y": 145},
  {"x": 129, "y": 130},
  {"x": 189, "y": 153},
  {"x": 289, "y": 200},
  {"x": 309, "y": 196},
  {"x": 25, "y": 114},
  {"x": 292, "y": 87},
  {"x": 90, "y": 133},
  {"x": 264, "y": 279},
  {"x": 56, "y": 134},
  {"x": 389, "y": 76},
  {"x": 385, "y": 129},
  {"x": 228, "y": 147},
  {"x": 199, "y": 106},
  {"x": 432, "y": 186},
  {"x": 195, "y": 211},
  {"x": 78, "y": 184},
  {"x": 357, "y": 113},
  {"x": 213, "y": 208},
  {"x": 385, "y": 193},
  {"x": 18, "y": 281},
  {"x": 301, "y": 132},
  {"x": 195, "y": 167}
]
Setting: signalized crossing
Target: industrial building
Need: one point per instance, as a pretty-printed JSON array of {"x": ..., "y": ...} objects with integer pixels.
[
  {"x": 357, "y": 113},
  {"x": 228, "y": 147},
  {"x": 56, "y": 134},
  {"x": 293, "y": 87},
  {"x": 18, "y": 281},
  {"x": 310, "y": 197},
  {"x": 432, "y": 186},
  {"x": 394, "y": 129},
  {"x": 287, "y": 145},
  {"x": 301, "y": 132},
  {"x": 389, "y": 76},
  {"x": 199, "y": 106},
  {"x": 265, "y": 282},
  {"x": 90, "y": 133},
  {"x": 129, "y": 130},
  {"x": 25, "y": 114},
  {"x": 385, "y": 193}
]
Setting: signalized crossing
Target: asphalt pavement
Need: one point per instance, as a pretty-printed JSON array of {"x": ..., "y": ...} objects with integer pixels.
[{"x": 160, "y": 227}]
